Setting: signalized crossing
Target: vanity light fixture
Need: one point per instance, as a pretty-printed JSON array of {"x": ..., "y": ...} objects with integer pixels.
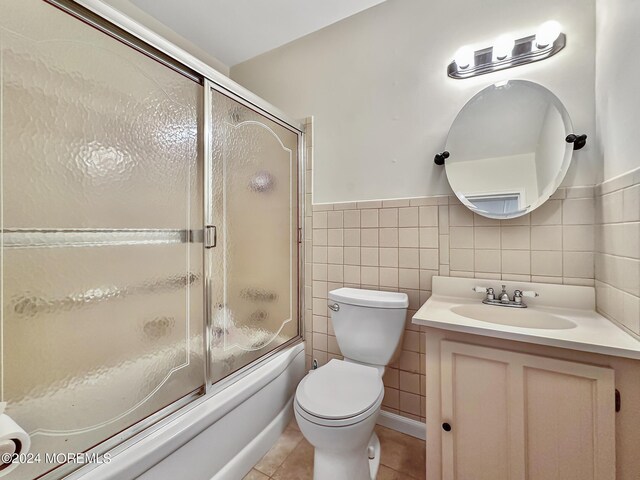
[{"x": 507, "y": 52}]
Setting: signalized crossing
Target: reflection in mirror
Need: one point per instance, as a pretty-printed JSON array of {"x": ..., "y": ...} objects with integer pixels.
[{"x": 507, "y": 148}]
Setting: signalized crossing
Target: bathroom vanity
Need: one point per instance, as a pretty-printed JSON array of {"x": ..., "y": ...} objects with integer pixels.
[{"x": 537, "y": 392}]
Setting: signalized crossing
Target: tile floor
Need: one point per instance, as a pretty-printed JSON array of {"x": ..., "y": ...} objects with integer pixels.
[{"x": 291, "y": 458}]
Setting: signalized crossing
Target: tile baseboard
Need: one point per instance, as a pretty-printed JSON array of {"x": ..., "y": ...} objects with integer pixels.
[{"x": 402, "y": 424}]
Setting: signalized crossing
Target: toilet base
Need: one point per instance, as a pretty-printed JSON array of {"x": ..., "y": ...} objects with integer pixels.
[
  {"x": 374, "y": 463},
  {"x": 348, "y": 464},
  {"x": 343, "y": 452}
]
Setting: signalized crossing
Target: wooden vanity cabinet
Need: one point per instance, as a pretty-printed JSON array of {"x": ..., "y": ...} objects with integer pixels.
[{"x": 497, "y": 413}]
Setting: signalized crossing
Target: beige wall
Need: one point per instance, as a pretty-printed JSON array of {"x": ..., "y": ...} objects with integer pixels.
[
  {"x": 382, "y": 103},
  {"x": 617, "y": 73}
]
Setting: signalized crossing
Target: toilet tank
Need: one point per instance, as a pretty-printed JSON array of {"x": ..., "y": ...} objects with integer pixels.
[{"x": 368, "y": 324}]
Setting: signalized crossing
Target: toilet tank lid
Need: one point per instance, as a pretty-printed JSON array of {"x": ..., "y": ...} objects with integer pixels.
[{"x": 369, "y": 298}]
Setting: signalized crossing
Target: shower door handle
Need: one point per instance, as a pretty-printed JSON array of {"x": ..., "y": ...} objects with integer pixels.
[{"x": 210, "y": 236}]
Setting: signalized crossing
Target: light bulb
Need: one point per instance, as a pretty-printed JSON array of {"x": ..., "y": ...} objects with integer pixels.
[
  {"x": 547, "y": 33},
  {"x": 464, "y": 57},
  {"x": 502, "y": 47}
]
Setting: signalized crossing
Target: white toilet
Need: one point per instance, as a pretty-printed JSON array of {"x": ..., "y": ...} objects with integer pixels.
[{"x": 337, "y": 405}]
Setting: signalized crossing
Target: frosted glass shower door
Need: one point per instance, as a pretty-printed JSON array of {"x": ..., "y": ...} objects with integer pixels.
[
  {"x": 102, "y": 268},
  {"x": 253, "y": 213}
]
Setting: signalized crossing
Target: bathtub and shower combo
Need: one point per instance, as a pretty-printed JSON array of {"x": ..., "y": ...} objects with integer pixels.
[{"x": 150, "y": 256}]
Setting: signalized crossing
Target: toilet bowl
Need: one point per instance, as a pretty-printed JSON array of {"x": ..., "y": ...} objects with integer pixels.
[
  {"x": 336, "y": 408},
  {"x": 337, "y": 405}
]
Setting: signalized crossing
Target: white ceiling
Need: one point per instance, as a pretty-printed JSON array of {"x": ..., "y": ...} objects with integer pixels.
[{"x": 236, "y": 30}]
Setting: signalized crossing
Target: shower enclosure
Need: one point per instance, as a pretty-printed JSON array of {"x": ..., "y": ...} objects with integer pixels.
[
  {"x": 150, "y": 232},
  {"x": 251, "y": 233}
]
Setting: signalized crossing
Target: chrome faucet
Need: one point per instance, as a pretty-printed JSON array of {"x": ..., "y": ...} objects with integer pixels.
[
  {"x": 503, "y": 299},
  {"x": 504, "y": 296}
]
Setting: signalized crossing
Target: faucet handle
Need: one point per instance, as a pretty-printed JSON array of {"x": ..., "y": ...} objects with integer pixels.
[
  {"x": 518, "y": 294},
  {"x": 488, "y": 290}
]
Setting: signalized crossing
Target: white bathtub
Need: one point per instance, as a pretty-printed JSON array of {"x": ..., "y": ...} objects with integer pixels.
[{"x": 220, "y": 436}]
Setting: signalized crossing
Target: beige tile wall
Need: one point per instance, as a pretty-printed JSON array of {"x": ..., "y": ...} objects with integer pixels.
[
  {"x": 399, "y": 245},
  {"x": 618, "y": 250},
  {"x": 553, "y": 244}
]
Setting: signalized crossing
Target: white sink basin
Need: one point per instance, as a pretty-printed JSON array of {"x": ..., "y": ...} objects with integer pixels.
[
  {"x": 515, "y": 317},
  {"x": 561, "y": 316}
]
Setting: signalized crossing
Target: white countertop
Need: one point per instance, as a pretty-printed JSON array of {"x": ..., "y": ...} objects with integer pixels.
[{"x": 592, "y": 332}]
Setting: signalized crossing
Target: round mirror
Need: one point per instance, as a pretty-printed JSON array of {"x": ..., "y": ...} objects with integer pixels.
[{"x": 507, "y": 147}]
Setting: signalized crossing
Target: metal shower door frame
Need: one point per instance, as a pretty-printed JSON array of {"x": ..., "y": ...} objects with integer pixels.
[{"x": 209, "y": 86}]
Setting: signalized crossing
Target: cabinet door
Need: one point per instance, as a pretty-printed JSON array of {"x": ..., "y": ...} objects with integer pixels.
[{"x": 517, "y": 416}]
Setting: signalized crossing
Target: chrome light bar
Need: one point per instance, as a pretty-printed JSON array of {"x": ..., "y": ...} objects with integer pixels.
[{"x": 525, "y": 50}]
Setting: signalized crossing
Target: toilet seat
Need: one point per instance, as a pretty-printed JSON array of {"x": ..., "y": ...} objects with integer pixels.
[
  {"x": 340, "y": 393},
  {"x": 344, "y": 422}
]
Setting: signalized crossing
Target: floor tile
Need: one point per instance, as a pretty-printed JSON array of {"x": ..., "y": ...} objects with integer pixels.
[
  {"x": 286, "y": 444},
  {"x": 402, "y": 453},
  {"x": 293, "y": 424},
  {"x": 386, "y": 473},
  {"x": 256, "y": 475},
  {"x": 298, "y": 465}
]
